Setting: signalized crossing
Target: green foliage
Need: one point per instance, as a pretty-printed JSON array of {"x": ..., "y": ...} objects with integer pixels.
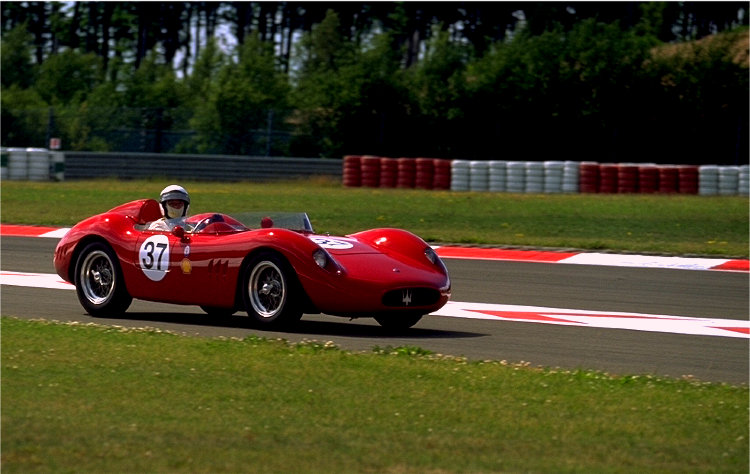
[
  {"x": 68, "y": 77},
  {"x": 239, "y": 99},
  {"x": 15, "y": 58},
  {"x": 329, "y": 88},
  {"x": 24, "y": 117},
  {"x": 574, "y": 83}
]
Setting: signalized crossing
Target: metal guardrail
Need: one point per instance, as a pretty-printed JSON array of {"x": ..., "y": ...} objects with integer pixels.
[
  {"x": 82, "y": 165},
  {"x": 19, "y": 163}
]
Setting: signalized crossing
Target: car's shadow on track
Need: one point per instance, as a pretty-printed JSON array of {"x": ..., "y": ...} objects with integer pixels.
[{"x": 309, "y": 325}]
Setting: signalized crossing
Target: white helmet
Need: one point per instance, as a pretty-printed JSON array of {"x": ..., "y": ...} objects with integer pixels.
[{"x": 174, "y": 192}]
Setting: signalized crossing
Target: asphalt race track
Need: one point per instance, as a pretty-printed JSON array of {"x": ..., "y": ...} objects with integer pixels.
[{"x": 687, "y": 293}]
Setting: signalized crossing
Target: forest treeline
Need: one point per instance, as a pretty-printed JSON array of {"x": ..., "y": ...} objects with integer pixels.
[{"x": 663, "y": 82}]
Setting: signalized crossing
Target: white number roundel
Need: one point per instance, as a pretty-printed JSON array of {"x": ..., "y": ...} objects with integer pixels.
[
  {"x": 328, "y": 243},
  {"x": 153, "y": 257}
]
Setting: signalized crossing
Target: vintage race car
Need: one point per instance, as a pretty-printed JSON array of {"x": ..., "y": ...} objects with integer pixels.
[{"x": 274, "y": 267}]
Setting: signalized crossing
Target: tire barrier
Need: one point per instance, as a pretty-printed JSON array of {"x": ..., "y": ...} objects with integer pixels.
[
  {"x": 407, "y": 173},
  {"x": 668, "y": 179},
  {"x": 553, "y": 176},
  {"x": 744, "y": 180},
  {"x": 516, "y": 175},
  {"x": 548, "y": 177},
  {"x": 589, "y": 177},
  {"x": 442, "y": 177},
  {"x": 479, "y": 176},
  {"x": 648, "y": 179},
  {"x": 388, "y": 172},
  {"x": 729, "y": 180},
  {"x": 425, "y": 173},
  {"x": 370, "y": 166},
  {"x": 709, "y": 180},
  {"x": 571, "y": 177},
  {"x": 352, "y": 173},
  {"x": 627, "y": 178},
  {"x": 498, "y": 176},
  {"x": 534, "y": 177},
  {"x": 608, "y": 178},
  {"x": 460, "y": 175},
  {"x": 688, "y": 179},
  {"x": 32, "y": 164}
]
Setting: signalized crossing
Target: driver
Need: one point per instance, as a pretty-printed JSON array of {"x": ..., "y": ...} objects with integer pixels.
[{"x": 175, "y": 202}]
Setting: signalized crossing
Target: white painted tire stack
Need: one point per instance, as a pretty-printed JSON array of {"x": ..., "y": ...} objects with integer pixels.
[
  {"x": 729, "y": 180},
  {"x": 744, "y": 181},
  {"x": 534, "y": 177},
  {"x": 553, "y": 176},
  {"x": 498, "y": 176},
  {"x": 18, "y": 165},
  {"x": 516, "y": 176},
  {"x": 460, "y": 175},
  {"x": 708, "y": 180},
  {"x": 571, "y": 171},
  {"x": 38, "y": 164},
  {"x": 479, "y": 176}
]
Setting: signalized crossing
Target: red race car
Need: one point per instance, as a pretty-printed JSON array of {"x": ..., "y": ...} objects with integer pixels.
[{"x": 274, "y": 267}]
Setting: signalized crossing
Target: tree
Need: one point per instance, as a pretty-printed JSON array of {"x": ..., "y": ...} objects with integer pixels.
[
  {"x": 16, "y": 65},
  {"x": 68, "y": 76},
  {"x": 240, "y": 101},
  {"x": 327, "y": 86}
]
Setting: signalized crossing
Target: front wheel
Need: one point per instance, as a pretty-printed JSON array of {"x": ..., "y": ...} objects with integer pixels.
[
  {"x": 271, "y": 293},
  {"x": 99, "y": 282},
  {"x": 397, "y": 321}
]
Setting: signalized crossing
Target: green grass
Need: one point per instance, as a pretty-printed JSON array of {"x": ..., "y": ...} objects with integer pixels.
[
  {"x": 670, "y": 224},
  {"x": 84, "y": 398}
]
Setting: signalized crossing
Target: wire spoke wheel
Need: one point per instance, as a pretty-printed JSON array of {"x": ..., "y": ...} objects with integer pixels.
[
  {"x": 99, "y": 282},
  {"x": 271, "y": 292},
  {"x": 97, "y": 277},
  {"x": 267, "y": 289}
]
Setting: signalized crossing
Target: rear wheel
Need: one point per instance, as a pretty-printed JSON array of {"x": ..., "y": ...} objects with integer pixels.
[
  {"x": 271, "y": 293},
  {"x": 99, "y": 282},
  {"x": 398, "y": 321}
]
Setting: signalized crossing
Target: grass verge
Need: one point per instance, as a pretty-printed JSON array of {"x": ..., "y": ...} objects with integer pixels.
[
  {"x": 84, "y": 398},
  {"x": 672, "y": 224}
]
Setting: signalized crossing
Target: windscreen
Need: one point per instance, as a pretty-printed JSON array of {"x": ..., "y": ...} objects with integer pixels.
[{"x": 297, "y": 221}]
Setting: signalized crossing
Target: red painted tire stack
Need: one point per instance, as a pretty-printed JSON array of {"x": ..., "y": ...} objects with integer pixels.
[
  {"x": 668, "y": 179},
  {"x": 689, "y": 181},
  {"x": 425, "y": 173},
  {"x": 407, "y": 171},
  {"x": 352, "y": 171},
  {"x": 608, "y": 178},
  {"x": 648, "y": 179},
  {"x": 588, "y": 177},
  {"x": 442, "y": 178},
  {"x": 388, "y": 172},
  {"x": 627, "y": 179},
  {"x": 370, "y": 171}
]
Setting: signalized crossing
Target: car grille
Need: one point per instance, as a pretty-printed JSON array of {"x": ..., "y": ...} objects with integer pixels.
[{"x": 407, "y": 297}]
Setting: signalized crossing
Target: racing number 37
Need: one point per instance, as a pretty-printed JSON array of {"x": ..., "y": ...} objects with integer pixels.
[
  {"x": 153, "y": 257},
  {"x": 148, "y": 260}
]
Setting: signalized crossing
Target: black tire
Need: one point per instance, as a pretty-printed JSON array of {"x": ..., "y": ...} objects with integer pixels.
[
  {"x": 395, "y": 321},
  {"x": 99, "y": 282},
  {"x": 270, "y": 291}
]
